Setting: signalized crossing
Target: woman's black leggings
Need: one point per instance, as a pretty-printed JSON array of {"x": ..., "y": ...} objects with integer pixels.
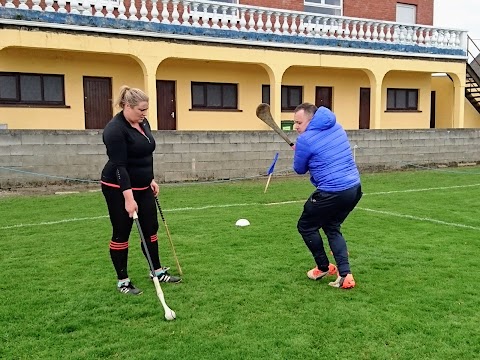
[{"x": 122, "y": 226}]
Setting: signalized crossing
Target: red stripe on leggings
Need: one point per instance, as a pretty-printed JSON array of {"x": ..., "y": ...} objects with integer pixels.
[
  {"x": 118, "y": 246},
  {"x": 153, "y": 238}
]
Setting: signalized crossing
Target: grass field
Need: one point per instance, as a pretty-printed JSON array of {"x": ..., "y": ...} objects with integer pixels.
[{"x": 413, "y": 242}]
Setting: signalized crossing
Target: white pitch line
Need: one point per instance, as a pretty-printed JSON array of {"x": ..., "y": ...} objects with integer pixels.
[
  {"x": 425, "y": 189},
  {"x": 269, "y": 204},
  {"x": 211, "y": 207},
  {"x": 285, "y": 202},
  {"x": 106, "y": 216},
  {"x": 53, "y": 222},
  {"x": 405, "y": 216}
]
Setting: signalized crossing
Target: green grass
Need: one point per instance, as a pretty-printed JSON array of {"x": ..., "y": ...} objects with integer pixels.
[{"x": 245, "y": 294}]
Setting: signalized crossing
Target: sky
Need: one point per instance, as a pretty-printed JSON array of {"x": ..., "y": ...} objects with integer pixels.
[{"x": 458, "y": 14}]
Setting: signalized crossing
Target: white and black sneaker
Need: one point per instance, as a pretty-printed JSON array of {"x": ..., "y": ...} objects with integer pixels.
[
  {"x": 164, "y": 276},
  {"x": 129, "y": 288}
]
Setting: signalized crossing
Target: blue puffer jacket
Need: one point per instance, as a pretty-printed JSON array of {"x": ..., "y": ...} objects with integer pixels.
[{"x": 324, "y": 150}]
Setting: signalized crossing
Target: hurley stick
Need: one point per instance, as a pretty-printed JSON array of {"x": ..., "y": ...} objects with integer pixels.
[
  {"x": 169, "y": 313},
  {"x": 179, "y": 268},
  {"x": 263, "y": 113}
]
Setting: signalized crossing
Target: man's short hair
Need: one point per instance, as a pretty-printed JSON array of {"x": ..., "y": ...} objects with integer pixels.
[{"x": 308, "y": 108}]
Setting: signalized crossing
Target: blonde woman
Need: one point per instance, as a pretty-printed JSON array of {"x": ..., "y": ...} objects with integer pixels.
[{"x": 128, "y": 184}]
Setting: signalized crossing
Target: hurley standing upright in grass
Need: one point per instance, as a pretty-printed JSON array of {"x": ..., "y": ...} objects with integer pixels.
[
  {"x": 128, "y": 184},
  {"x": 323, "y": 150}
]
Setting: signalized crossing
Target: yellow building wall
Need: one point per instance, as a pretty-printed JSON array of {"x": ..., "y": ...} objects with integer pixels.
[
  {"x": 248, "y": 77},
  {"x": 346, "y": 86},
  {"x": 139, "y": 63},
  {"x": 472, "y": 116},
  {"x": 407, "y": 120},
  {"x": 73, "y": 65},
  {"x": 444, "y": 90}
]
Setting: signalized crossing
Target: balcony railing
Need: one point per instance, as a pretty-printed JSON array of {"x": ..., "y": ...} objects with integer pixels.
[{"x": 256, "y": 21}]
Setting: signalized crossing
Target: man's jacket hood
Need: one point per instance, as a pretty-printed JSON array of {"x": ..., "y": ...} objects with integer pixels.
[{"x": 323, "y": 119}]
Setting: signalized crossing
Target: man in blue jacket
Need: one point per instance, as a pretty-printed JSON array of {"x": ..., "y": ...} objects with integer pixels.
[{"x": 323, "y": 149}]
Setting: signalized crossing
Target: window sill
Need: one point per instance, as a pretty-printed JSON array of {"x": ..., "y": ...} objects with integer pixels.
[
  {"x": 36, "y": 106},
  {"x": 217, "y": 110},
  {"x": 403, "y": 111}
]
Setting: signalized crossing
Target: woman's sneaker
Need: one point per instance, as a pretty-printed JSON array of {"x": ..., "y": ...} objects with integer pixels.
[
  {"x": 164, "y": 276},
  {"x": 344, "y": 282},
  {"x": 128, "y": 288},
  {"x": 317, "y": 274}
]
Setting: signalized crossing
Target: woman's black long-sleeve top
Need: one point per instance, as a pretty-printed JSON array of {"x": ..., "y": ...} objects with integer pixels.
[{"x": 130, "y": 154}]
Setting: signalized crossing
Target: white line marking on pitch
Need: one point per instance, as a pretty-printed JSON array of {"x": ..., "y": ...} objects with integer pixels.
[
  {"x": 411, "y": 217},
  {"x": 210, "y": 207},
  {"x": 426, "y": 189},
  {"x": 53, "y": 222},
  {"x": 273, "y": 204}
]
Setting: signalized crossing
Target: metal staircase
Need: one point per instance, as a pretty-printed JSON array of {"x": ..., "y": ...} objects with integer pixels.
[{"x": 472, "y": 87}]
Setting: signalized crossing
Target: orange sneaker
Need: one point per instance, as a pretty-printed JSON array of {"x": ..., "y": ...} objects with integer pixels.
[
  {"x": 344, "y": 282},
  {"x": 316, "y": 274}
]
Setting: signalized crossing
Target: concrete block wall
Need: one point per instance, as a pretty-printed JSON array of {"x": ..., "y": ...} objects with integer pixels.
[
  {"x": 396, "y": 149},
  {"x": 31, "y": 156},
  {"x": 55, "y": 154},
  {"x": 204, "y": 155}
]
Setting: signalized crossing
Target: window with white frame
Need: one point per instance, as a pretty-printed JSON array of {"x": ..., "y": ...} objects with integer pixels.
[
  {"x": 327, "y": 7},
  {"x": 406, "y": 14}
]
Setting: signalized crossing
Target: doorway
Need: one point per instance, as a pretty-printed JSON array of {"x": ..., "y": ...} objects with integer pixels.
[
  {"x": 433, "y": 103},
  {"x": 97, "y": 98},
  {"x": 364, "y": 111},
  {"x": 166, "y": 105},
  {"x": 323, "y": 96}
]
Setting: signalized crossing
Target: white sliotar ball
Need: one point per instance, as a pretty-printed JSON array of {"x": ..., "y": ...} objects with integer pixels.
[{"x": 242, "y": 222}]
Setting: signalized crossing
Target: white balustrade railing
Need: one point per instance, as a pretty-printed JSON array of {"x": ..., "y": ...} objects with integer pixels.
[{"x": 234, "y": 17}]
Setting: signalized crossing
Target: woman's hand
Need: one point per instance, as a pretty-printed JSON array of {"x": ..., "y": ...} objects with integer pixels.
[
  {"x": 131, "y": 207},
  {"x": 130, "y": 203},
  {"x": 154, "y": 187}
]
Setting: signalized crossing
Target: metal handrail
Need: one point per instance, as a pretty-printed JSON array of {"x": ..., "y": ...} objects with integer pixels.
[
  {"x": 473, "y": 72},
  {"x": 474, "y": 58}
]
